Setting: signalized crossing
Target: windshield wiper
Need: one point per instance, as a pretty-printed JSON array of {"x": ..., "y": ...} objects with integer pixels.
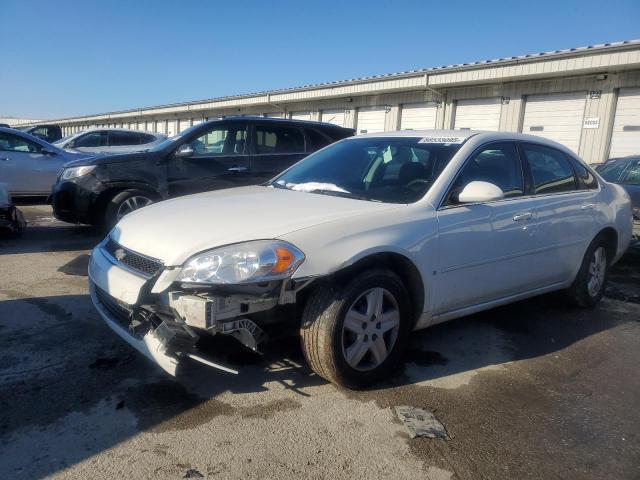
[
  {"x": 277, "y": 185},
  {"x": 335, "y": 193}
]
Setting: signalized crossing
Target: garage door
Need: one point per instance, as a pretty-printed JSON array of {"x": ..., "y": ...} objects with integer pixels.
[
  {"x": 371, "y": 119},
  {"x": 273, "y": 115},
  {"x": 556, "y": 117},
  {"x": 161, "y": 126},
  {"x": 183, "y": 124},
  {"x": 418, "y": 116},
  {"x": 626, "y": 126},
  {"x": 171, "y": 128},
  {"x": 335, "y": 116},
  {"x": 478, "y": 114},
  {"x": 301, "y": 115}
]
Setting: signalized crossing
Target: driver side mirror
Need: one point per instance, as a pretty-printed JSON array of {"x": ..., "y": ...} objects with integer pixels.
[
  {"x": 184, "y": 151},
  {"x": 480, "y": 192}
]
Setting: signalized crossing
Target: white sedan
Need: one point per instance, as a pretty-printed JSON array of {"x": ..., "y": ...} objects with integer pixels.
[{"x": 359, "y": 244}]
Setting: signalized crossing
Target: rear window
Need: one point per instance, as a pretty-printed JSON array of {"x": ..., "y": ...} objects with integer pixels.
[{"x": 146, "y": 138}]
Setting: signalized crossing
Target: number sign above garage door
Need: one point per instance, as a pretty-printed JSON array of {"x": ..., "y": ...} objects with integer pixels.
[
  {"x": 557, "y": 117},
  {"x": 478, "y": 114}
]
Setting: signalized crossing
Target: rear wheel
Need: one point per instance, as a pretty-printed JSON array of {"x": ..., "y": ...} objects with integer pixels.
[
  {"x": 356, "y": 335},
  {"x": 124, "y": 203},
  {"x": 591, "y": 281}
]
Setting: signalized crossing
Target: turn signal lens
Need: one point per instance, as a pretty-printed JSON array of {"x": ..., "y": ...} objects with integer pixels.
[{"x": 284, "y": 259}]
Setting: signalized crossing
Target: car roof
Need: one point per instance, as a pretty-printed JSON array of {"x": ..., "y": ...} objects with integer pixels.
[
  {"x": 115, "y": 129},
  {"x": 289, "y": 121}
]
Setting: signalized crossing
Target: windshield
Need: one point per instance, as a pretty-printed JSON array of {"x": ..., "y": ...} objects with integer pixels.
[
  {"x": 612, "y": 170},
  {"x": 391, "y": 170}
]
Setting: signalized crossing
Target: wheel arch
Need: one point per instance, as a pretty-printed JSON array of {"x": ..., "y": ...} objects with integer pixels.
[
  {"x": 114, "y": 189},
  {"x": 399, "y": 264},
  {"x": 610, "y": 237}
]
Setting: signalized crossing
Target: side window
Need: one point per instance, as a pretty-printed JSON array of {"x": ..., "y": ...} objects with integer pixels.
[
  {"x": 221, "y": 140},
  {"x": 121, "y": 139},
  {"x": 91, "y": 140},
  {"x": 316, "y": 140},
  {"x": 13, "y": 143},
  {"x": 278, "y": 139},
  {"x": 632, "y": 174},
  {"x": 146, "y": 138},
  {"x": 612, "y": 170},
  {"x": 586, "y": 178},
  {"x": 550, "y": 168},
  {"x": 497, "y": 163}
]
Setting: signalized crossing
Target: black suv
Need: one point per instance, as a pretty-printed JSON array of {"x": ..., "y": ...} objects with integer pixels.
[{"x": 212, "y": 155}]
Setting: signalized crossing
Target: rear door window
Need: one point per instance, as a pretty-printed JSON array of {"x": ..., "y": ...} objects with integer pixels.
[
  {"x": 277, "y": 139},
  {"x": 121, "y": 139},
  {"x": 92, "y": 140},
  {"x": 550, "y": 169},
  {"x": 585, "y": 177}
]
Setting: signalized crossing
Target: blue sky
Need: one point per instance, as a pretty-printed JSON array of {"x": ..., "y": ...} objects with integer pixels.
[{"x": 63, "y": 58}]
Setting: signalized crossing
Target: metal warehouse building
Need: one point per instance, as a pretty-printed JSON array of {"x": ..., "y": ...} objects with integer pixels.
[{"x": 587, "y": 98}]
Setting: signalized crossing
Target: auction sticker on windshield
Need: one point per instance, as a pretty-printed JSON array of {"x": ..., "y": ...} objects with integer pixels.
[{"x": 441, "y": 140}]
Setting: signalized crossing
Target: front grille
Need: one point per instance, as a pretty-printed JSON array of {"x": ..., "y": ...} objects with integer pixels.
[
  {"x": 146, "y": 266},
  {"x": 119, "y": 313}
]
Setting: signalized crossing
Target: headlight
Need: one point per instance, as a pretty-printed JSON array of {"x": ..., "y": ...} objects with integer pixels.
[
  {"x": 248, "y": 262},
  {"x": 74, "y": 172}
]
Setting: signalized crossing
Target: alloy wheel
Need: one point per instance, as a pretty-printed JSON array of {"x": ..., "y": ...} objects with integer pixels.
[
  {"x": 597, "y": 271},
  {"x": 131, "y": 204},
  {"x": 370, "y": 329}
]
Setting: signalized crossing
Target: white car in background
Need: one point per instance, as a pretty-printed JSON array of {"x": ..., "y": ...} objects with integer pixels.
[
  {"x": 110, "y": 141},
  {"x": 360, "y": 243}
]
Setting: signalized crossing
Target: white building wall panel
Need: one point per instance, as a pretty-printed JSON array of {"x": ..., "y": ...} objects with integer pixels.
[
  {"x": 371, "y": 119},
  {"x": 333, "y": 115},
  {"x": 558, "y": 117},
  {"x": 183, "y": 124},
  {"x": 418, "y": 116},
  {"x": 625, "y": 138},
  {"x": 478, "y": 114},
  {"x": 301, "y": 115}
]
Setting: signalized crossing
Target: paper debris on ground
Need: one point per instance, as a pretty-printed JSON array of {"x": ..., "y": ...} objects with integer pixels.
[{"x": 420, "y": 423}]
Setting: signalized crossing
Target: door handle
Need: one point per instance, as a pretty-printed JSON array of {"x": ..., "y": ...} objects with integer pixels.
[
  {"x": 236, "y": 168},
  {"x": 522, "y": 216},
  {"x": 587, "y": 206}
]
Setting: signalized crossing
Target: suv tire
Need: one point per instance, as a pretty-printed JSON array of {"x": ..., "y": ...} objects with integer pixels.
[
  {"x": 125, "y": 202},
  {"x": 357, "y": 335}
]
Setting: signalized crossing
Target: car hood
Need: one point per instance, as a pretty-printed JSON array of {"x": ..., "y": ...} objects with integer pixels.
[
  {"x": 174, "y": 230},
  {"x": 102, "y": 158}
]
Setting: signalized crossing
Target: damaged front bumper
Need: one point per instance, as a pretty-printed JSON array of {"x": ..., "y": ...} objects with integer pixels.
[{"x": 164, "y": 320}]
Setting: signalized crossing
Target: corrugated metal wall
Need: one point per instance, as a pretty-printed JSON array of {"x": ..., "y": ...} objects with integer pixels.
[{"x": 596, "y": 75}]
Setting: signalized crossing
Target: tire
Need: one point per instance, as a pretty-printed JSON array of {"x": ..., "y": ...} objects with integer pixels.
[
  {"x": 130, "y": 199},
  {"x": 591, "y": 281},
  {"x": 332, "y": 343}
]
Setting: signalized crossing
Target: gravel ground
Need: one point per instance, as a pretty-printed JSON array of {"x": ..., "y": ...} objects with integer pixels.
[{"x": 533, "y": 390}]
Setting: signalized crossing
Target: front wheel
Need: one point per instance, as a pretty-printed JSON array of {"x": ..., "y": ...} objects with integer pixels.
[
  {"x": 590, "y": 283},
  {"x": 124, "y": 203},
  {"x": 356, "y": 335}
]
